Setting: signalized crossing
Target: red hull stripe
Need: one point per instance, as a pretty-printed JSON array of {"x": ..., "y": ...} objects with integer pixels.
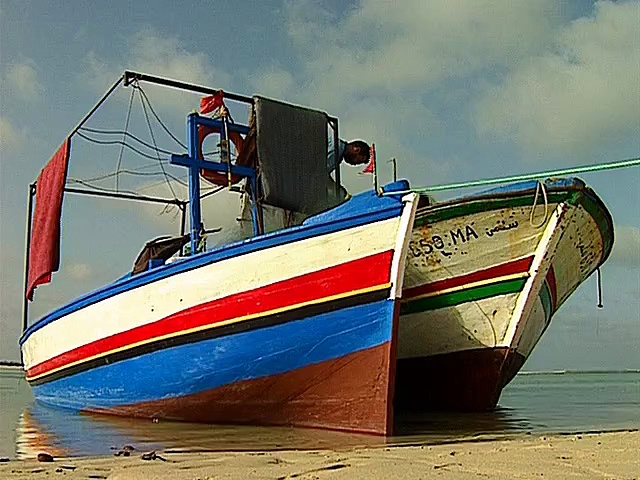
[
  {"x": 340, "y": 280},
  {"x": 553, "y": 289},
  {"x": 518, "y": 266}
]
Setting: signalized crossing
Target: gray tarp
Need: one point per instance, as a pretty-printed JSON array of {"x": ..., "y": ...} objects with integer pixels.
[{"x": 292, "y": 154}]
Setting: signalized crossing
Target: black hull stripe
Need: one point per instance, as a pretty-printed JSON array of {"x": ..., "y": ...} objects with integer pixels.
[{"x": 216, "y": 332}]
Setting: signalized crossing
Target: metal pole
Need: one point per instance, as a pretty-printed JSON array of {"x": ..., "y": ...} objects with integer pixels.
[
  {"x": 395, "y": 169},
  {"x": 336, "y": 153},
  {"x": 130, "y": 77},
  {"x": 97, "y": 105},
  {"x": 183, "y": 219},
  {"x": 255, "y": 208},
  {"x": 27, "y": 250},
  {"x": 375, "y": 168},
  {"x": 183, "y": 223},
  {"x": 124, "y": 196},
  {"x": 194, "y": 182}
]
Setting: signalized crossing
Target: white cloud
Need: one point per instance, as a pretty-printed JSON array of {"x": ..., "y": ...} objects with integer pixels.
[
  {"x": 584, "y": 93},
  {"x": 167, "y": 56},
  {"x": 626, "y": 247},
  {"x": 375, "y": 65},
  {"x": 163, "y": 56},
  {"x": 11, "y": 138},
  {"x": 79, "y": 271},
  {"x": 413, "y": 45},
  {"x": 274, "y": 82},
  {"x": 218, "y": 211},
  {"x": 22, "y": 80}
]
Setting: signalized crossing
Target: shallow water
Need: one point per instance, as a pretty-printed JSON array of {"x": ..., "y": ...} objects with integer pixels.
[{"x": 545, "y": 402}]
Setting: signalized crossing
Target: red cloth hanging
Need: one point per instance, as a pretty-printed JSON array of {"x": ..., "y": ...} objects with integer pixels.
[{"x": 44, "y": 253}]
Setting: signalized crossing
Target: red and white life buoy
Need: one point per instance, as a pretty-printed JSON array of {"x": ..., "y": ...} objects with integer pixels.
[{"x": 218, "y": 178}]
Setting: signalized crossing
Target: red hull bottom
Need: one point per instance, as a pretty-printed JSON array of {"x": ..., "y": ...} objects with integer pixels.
[
  {"x": 470, "y": 380},
  {"x": 349, "y": 393}
]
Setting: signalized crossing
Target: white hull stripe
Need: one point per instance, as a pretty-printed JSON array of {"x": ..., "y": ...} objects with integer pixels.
[{"x": 165, "y": 297}]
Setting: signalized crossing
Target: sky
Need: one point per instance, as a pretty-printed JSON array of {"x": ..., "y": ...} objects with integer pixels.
[{"x": 454, "y": 90}]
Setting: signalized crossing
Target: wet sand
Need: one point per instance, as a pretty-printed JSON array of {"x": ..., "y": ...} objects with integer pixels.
[{"x": 611, "y": 455}]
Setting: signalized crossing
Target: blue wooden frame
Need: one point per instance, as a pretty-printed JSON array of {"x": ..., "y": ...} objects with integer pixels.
[{"x": 195, "y": 164}]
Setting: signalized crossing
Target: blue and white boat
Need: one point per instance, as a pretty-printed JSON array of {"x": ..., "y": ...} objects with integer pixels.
[{"x": 293, "y": 327}]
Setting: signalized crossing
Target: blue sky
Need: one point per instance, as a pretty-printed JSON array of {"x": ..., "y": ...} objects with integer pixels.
[{"x": 454, "y": 90}]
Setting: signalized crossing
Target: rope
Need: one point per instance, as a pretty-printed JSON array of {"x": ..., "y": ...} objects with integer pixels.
[
  {"x": 135, "y": 172},
  {"x": 153, "y": 139},
  {"x": 539, "y": 186},
  {"x": 124, "y": 136},
  {"x": 124, "y": 144},
  {"x": 164, "y": 127},
  {"x": 631, "y": 162}
]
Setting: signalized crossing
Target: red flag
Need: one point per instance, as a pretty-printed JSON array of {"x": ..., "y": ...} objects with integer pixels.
[
  {"x": 211, "y": 103},
  {"x": 44, "y": 252},
  {"x": 371, "y": 166}
]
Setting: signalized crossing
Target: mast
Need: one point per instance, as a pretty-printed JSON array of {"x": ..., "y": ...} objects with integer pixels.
[{"x": 27, "y": 250}]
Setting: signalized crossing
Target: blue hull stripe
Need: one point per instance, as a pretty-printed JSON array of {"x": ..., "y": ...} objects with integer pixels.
[{"x": 201, "y": 366}]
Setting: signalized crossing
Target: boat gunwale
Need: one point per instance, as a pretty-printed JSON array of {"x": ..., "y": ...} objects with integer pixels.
[
  {"x": 575, "y": 194},
  {"x": 235, "y": 249}
]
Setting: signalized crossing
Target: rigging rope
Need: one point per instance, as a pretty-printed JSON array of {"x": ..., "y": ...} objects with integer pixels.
[
  {"x": 126, "y": 128},
  {"x": 631, "y": 162},
  {"x": 124, "y": 144},
  {"x": 153, "y": 139},
  {"x": 142, "y": 92},
  {"x": 136, "y": 171},
  {"x": 539, "y": 186},
  {"x": 132, "y": 137}
]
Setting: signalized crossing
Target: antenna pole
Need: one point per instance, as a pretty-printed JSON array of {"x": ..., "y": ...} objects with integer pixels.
[
  {"x": 375, "y": 168},
  {"x": 27, "y": 250}
]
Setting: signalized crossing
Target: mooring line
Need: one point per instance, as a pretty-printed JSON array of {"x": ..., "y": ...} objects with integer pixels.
[{"x": 631, "y": 162}]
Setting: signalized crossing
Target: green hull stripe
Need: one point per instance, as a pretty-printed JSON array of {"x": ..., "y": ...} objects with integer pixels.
[
  {"x": 596, "y": 208},
  {"x": 484, "y": 205},
  {"x": 545, "y": 298},
  {"x": 463, "y": 296}
]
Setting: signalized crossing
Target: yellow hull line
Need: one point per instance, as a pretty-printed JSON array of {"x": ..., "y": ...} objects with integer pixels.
[{"x": 212, "y": 326}]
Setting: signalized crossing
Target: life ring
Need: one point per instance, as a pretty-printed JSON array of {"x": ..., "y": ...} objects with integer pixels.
[{"x": 218, "y": 178}]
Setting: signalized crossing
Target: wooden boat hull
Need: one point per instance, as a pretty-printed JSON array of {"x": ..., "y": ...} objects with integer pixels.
[
  {"x": 484, "y": 276},
  {"x": 292, "y": 328}
]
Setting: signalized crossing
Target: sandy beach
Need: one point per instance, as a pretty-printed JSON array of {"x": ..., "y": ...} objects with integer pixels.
[{"x": 612, "y": 455}]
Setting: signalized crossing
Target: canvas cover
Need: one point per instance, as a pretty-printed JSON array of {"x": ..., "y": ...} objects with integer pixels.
[
  {"x": 160, "y": 248},
  {"x": 292, "y": 156}
]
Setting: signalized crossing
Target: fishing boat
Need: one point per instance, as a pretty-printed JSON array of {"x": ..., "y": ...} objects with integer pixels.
[
  {"x": 296, "y": 326},
  {"x": 485, "y": 274}
]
